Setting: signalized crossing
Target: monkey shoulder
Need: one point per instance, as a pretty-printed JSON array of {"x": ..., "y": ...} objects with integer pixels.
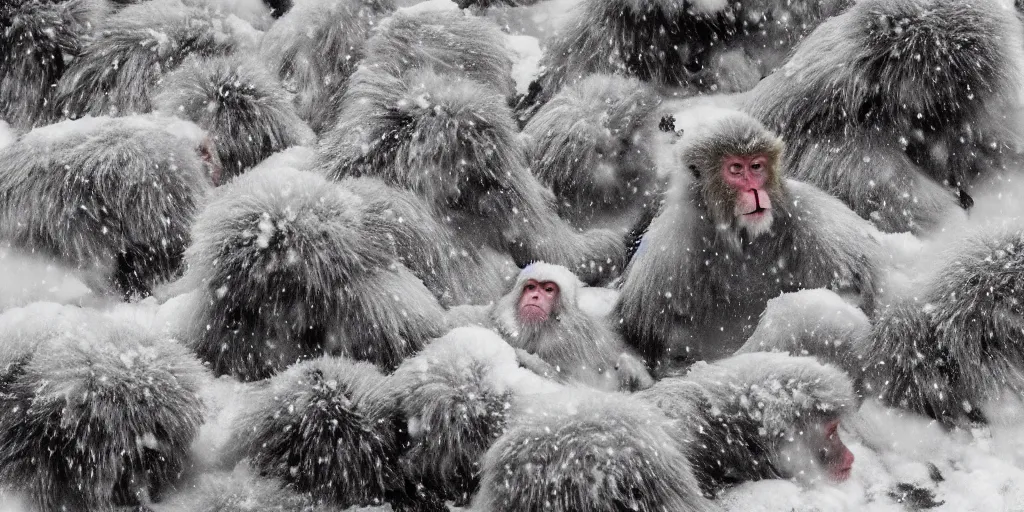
[{"x": 830, "y": 244}]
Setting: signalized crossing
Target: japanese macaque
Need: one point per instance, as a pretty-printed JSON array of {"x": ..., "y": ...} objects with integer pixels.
[
  {"x": 444, "y": 41},
  {"x": 111, "y": 197},
  {"x": 792, "y": 431},
  {"x": 38, "y": 40},
  {"x": 541, "y": 317},
  {"x": 100, "y": 413},
  {"x": 955, "y": 345},
  {"x": 881, "y": 110},
  {"x": 289, "y": 266},
  {"x": 119, "y": 69},
  {"x": 315, "y": 47},
  {"x": 702, "y": 46},
  {"x": 457, "y": 396},
  {"x": 453, "y": 142},
  {"x": 246, "y": 111},
  {"x": 733, "y": 233},
  {"x": 589, "y": 451},
  {"x": 590, "y": 145},
  {"x": 325, "y": 427}
]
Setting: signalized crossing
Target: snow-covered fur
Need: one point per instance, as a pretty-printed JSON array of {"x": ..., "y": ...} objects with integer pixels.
[
  {"x": 100, "y": 412},
  {"x": 744, "y": 416},
  {"x": 723, "y": 47},
  {"x": 456, "y": 396},
  {"x": 446, "y": 41},
  {"x": 324, "y": 427},
  {"x": 118, "y": 71},
  {"x": 113, "y": 197},
  {"x": 578, "y": 347},
  {"x": 290, "y": 266},
  {"x": 37, "y": 37},
  {"x": 898, "y": 106},
  {"x": 698, "y": 283},
  {"x": 812, "y": 322},
  {"x": 452, "y": 141},
  {"x": 589, "y": 451},
  {"x": 315, "y": 47},
  {"x": 246, "y": 111},
  {"x": 959, "y": 343},
  {"x": 590, "y": 145}
]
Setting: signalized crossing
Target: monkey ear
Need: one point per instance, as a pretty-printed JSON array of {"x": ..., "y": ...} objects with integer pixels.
[{"x": 694, "y": 170}]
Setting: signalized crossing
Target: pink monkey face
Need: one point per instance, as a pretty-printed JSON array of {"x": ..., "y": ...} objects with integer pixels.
[
  {"x": 747, "y": 176},
  {"x": 537, "y": 301}
]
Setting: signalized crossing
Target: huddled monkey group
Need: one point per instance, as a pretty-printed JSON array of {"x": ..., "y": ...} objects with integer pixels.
[{"x": 437, "y": 282}]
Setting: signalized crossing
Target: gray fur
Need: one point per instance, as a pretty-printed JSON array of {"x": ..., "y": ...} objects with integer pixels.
[
  {"x": 292, "y": 266},
  {"x": 428, "y": 247},
  {"x": 324, "y": 427},
  {"x": 470, "y": 46},
  {"x": 673, "y": 43},
  {"x": 744, "y": 416},
  {"x": 589, "y": 451},
  {"x": 456, "y": 404},
  {"x": 244, "y": 108},
  {"x": 589, "y": 144},
  {"x": 960, "y": 344},
  {"x": 452, "y": 141},
  {"x": 579, "y": 348},
  {"x": 38, "y": 40},
  {"x": 315, "y": 47},
  {"x": 118, "y": 71},
  {"x": 100, "y": 414},
  {"x": 697, "y": 284},
  {"x": 896, "y": 107},
  {"x": 110, "y": 196},
  {"x": 812, "y": 322}
]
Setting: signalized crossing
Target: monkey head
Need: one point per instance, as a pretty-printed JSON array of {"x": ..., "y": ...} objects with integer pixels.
[
  {"x": 816, "y": 451},
  {"x": 538, "y": 301},
  {"x": 542, "y": 294},
  {"x": 736, "y": 163}
]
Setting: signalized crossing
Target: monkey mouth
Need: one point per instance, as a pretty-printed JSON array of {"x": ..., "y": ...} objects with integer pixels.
[
  {"x": 840, "y": 475},
  {"x": 758, "y": 209}
]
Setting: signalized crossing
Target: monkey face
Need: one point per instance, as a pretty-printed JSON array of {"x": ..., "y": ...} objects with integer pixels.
[
  {"x": 817, "y": 451},
  {"x": 747, "y": 176},
  {"x": 537, "y": 301}
]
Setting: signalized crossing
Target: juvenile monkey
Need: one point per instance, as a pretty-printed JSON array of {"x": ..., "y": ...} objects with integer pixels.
[{"x": 540, "y": 316}]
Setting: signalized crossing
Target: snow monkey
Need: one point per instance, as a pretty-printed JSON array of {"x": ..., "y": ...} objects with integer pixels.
[
  {"x": 244, "y": 108},
  {"x": 111, "y": 197},
  {"x": 710, "y": 46},
  {"x": 793, "y": 431},
  {"x": 100, "y": 410},
  {"x": 289, "y": 266},
  {"x": 899, "y": 107},
  {"x": 541, "y": 317},
  {"x": 429, "y": 123},
  {"x": 37, "y": 43},
  {"x": 119, "y": 69},
  {"x": 673, "y": 445},
  {"x": 591, "y": 145},
  {"x": 733, "y": 233}
]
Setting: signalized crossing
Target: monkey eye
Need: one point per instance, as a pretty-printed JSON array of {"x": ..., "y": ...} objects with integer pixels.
[
  {"x": 531, "y": 287},
  {"x": 549, "y": 289},
  {"x": 736, "y": 169},
  {"x": 756, "y": 167}
]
